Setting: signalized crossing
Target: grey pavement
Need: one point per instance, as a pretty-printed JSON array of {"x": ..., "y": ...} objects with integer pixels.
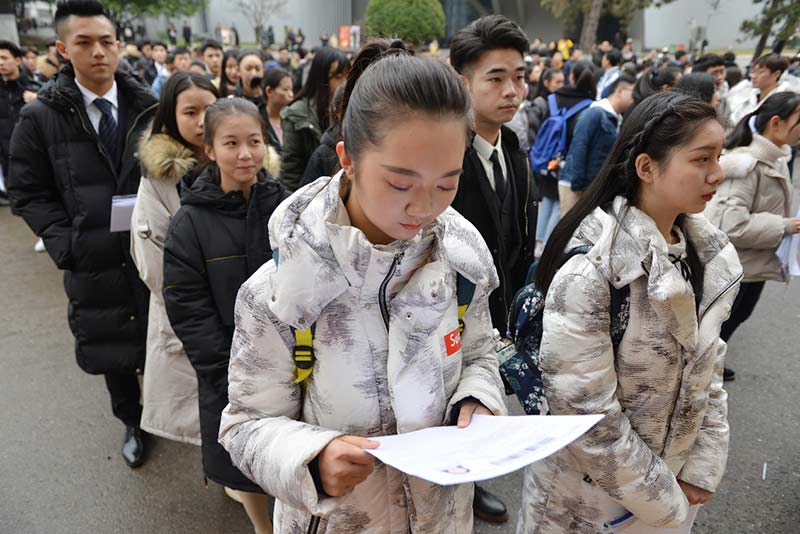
[{"x": 61, "y": 472}]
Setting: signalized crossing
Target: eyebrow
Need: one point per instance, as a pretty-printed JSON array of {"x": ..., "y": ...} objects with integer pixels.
[
  {"x": 84, "y": 36},
  {"x": 702, "y": 148},
  {"x": 496, "y": 70},
  {"x": 412, "y": 173}
]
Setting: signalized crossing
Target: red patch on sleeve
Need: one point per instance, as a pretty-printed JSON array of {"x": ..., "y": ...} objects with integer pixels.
[{"x": 452, "y": 342}]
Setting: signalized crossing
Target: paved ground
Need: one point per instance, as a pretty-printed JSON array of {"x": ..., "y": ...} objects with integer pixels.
[{"x": 60, "y": 470}]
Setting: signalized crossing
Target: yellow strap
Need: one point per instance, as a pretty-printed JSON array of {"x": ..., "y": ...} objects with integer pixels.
[
  {"x": 303, "y": 338},
  {"x": 462, "y": 310}
]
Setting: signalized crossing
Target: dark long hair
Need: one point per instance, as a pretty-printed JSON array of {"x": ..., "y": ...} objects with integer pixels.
[
  {"x": 387, "y": 83},
  {"x": 584, "y": 76},
  {"x": 178, "y": 82},
  {"x": 779, "y": 104},
  {"x": 660, "y": 124},
  {"x": 651, "y": 82},
  {"x": 224, "y": 81},
  {"x": 272, "y": 79},
  {"x": 698, "y": 84},
  {"x": 316, "y": 86},
  {"x": 547, "y": 75}
]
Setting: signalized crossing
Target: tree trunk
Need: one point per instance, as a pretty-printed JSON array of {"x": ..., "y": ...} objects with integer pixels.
[
  {"x": 766, "y": 30},
  {"x": 590, "y": 24}
]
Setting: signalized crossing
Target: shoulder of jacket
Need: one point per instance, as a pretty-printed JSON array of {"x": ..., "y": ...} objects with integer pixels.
[
  {"x": 466, "y": 251},
  {"x": 737, "y": 164},
  {"x": 578, "y": 274}
]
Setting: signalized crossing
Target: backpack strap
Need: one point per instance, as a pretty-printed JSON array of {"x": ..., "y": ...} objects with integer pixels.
[
  {"x": 577, "y": 108},
  {"x": 303, "y": 351},
  {"x": 465, "y": 290},
  {"x": 552, "y": 104}
]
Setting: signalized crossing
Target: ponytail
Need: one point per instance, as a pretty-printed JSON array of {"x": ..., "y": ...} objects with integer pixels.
[
  {"x": 369, "y": 54},
  {"x": 782, "y": 105},
  {"x": 584, "y": 78}
]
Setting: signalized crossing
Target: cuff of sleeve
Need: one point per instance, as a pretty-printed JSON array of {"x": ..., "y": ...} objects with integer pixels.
[{"x": 788, "y": 229}]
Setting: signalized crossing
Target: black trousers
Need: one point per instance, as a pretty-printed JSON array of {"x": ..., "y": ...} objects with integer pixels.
[
  {"x": 743, "y": 305},
  {"x": 125, "y": 393}
]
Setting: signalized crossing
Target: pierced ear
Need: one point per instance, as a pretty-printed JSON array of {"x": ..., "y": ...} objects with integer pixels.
[
  {"x": 344, "y": 159},
  {"x": 645, "y": 168}
]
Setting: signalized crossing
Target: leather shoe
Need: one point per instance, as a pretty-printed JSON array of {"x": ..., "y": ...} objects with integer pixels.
[
  {"x": 488, "y": 507},
  {"x": 728, "y": 375},
  {"x": 133, "y": 447}
]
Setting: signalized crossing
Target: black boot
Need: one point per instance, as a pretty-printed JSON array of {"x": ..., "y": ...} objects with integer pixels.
[
  {"x": 728, "y": 374},
  {"x": 133, "y": 447},
  {"x": 489, "y": 507}
]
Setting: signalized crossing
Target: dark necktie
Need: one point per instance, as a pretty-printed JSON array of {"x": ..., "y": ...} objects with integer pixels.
[
  {"x": 108, "y": 131},
  {"x": 499, "y": 177}
]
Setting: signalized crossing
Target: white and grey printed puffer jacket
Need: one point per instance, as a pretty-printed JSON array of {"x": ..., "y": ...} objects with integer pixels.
[
  {"x": 373, "y": 376},
  {"x": 666, "y": 410}
]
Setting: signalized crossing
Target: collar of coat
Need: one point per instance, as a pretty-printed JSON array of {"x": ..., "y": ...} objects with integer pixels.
[
  {"x": 63, "y": 92},
  {"x": 320, "y": 259},
  {"x": 627, "y": 245}
]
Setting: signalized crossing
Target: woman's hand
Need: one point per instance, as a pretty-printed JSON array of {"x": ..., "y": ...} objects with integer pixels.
[
  {"x": 343, "y": 464},
  {"x": 694, "y": 494},
  {"x": 795, "y": 222},
  {"x": 468, "y": 408}
]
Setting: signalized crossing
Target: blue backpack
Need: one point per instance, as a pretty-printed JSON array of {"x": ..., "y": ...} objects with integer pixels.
[
  {"x": 520, "y": 363},
  {"x": 550, "y": 146}
]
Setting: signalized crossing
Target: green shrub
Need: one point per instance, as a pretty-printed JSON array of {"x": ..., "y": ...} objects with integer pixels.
[{"x": 411, "y": 20}]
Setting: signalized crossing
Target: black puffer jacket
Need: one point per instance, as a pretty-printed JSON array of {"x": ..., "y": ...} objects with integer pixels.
[
  {"x": 512, "y": 249},
  {"x": 324, "y": 160},
  {"x": 215, "y": 242},
  {"x": 61, "y": 182},
  {"x": 11, "y": 102}
]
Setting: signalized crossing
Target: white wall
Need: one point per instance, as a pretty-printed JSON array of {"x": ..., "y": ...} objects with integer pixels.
[{"x": 669, "y": 24}]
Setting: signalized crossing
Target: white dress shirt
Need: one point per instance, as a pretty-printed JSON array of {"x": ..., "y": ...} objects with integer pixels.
[
  {"x": 484, "y": 150},
  {"x": 92, "y": 110}
]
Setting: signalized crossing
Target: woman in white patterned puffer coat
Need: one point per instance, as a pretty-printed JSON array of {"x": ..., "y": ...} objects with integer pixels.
[
  {"x": 663, "y": 443},
  {"x": 370, "y": 257}
]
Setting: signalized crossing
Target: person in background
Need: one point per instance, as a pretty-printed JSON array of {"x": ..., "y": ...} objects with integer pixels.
[
  {"x": 324, "y": 161},
  {"x": 565, "y": 46},
  {"x": 765, "y": 81},
  {"x": 357, "y": 255},
  {"x": 146, "y": 66},
  {"x": 216, "y": 241},
  {"x": 172, "y": 34},
  {"x": 251, "y": 71},
  {"x": 307, "y": 117},
  {"x": 714, "y": 65},
  {"x": 276, "y": 86},
  {"x": 47, "y": 66},
  {"x": 611, "y": 71},
  {"x": 495, "y": 192},
  {"x": 754, "y": 206},
  {"x": 16, "y": 90},
  {"x": 594, "y": 135},
  {"x": 159, "y": 51},
  {"x": 187, "y": 33},
  {"x": 533, "y": 76},
  {"x": 699, "y": 85},
  {"x": 170, "y": 150},
  {"x": 198, "y": 67},
  {"x": 71, "y": 152},
  {"x": 181, "y": 59},
  {"x": 574, "y": 57},
  {"x": 229, "y": 78},
  {"x": 551, "y": 81},
  {"x": 211, "y": 51},
  {"x": 658, "y": 79},
  {"x": 660, "y": 389},
  {"x": 29, "y": 56},
  {"x": 628, "y": 55}
]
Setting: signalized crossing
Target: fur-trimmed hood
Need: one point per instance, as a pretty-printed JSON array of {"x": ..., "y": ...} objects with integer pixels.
[{"x": 165, "y": 158}]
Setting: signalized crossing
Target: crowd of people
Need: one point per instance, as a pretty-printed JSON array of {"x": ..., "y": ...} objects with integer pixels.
[{"x": 305, "y": 222}]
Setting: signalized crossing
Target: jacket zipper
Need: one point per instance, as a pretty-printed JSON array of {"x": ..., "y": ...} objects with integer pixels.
[
  {"x": 313, "y": 525},
  {"x": 668, "y": 440},
  {"x": 382, "y": 292}
]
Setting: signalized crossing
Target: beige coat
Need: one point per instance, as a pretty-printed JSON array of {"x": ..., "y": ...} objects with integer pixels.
[
  {"x": 753, "y": 206},
  {"x": 169, "y": 394},
  {"x": 661, "y": 390}
]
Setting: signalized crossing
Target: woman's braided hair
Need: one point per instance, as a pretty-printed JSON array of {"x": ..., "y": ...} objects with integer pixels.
[{"x": 660, "y": 124}]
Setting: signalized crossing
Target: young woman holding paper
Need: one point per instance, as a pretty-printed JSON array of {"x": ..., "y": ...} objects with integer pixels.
[
  {"x": 663, "y": 443},
  {"x": 367, "y": 264},
  {"x": 754, "y": 206}
]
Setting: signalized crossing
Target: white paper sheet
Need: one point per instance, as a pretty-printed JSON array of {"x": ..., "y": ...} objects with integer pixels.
[
  {"x": 489, "y": 447},
  {"x": 121, "y": 212},
  {"x": 634, "y": 526},
  {"x": 787, "y": 254}
]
